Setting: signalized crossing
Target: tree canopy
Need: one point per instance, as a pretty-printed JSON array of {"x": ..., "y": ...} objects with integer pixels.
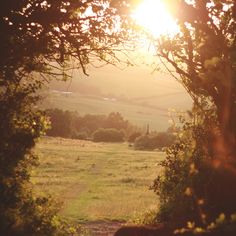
[
  {"x": 37, "y": 39},
  {"x": 202, "y": 57},
  {"x": 199, "y": 170},
  {"x": 37, "y": 35}
]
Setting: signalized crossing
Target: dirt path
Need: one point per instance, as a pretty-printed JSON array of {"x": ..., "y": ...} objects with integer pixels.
[{"x": 101, "y": 228}]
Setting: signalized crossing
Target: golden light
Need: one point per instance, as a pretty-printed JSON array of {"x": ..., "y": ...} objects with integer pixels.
[{"x": 153, "y": 16}]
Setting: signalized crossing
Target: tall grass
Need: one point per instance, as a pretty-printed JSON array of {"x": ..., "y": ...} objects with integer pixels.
[{"x": 96, "y": 181}]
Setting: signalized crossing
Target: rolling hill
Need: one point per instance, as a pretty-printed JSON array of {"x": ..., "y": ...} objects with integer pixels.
[{"x": 140, "y": 96}]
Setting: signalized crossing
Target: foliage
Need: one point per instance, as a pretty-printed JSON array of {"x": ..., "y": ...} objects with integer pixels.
[
  {"x": 132, "y": 137},
  {"x": 195, "y": 186},
  {"x": 89, "y": 123},
  {"x": 108, "y": 135},
  {"x": 62, "y": 123},
  {"x": 147, "y": 217},
  {"x": 83, "y": 135},
  {"x": 199, "y": 171},
  {"x": 115, "y": 120},
  {"x": 154, "y": 141},
  {"x": 69, "y": 124},
  {"x": 20, "y": 212},
  {"x": 41, "y": 36},
  {"x": 144, "y": 142},
  {"x": 37, "y": 38},
  {"x": 221, "y": 226},
  {"x": 203, "y": 56}
]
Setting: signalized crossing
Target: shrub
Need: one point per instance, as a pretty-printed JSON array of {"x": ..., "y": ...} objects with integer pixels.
[
  {"x": 83, "y": 135},
  {"x": 163, "y": 139},
  {"x": 132, "y": 137},
  {"x": 62, "y": 123},
  {"x": 22, "y": 213},
  {"x": 154, "y": 141},
  {"x": 108, "y": 135},
  {"x": 195, "y": 185},
  {"x": 144, "y": 142}
]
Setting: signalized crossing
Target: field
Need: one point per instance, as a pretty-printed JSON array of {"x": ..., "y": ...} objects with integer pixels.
[
  {"x": 97, "y": 181},
  {"x": 141, "y": 97},
  {"x": 136, "y": 114},
  {"x": 139, "y": 112}
]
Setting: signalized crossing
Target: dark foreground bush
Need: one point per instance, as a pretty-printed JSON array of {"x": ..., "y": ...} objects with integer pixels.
[
  {"x": 108, "y": 135},
  {"x": 197, "y": 185},
  {"x": 167, "y": 230},
  {"x": 22, "y": 212}
]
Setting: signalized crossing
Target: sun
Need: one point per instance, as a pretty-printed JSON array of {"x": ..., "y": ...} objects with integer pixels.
[{"x": 154, "y": 17}]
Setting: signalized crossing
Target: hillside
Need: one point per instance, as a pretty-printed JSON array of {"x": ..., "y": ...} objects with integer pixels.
[{"x": 141, "y": 97}]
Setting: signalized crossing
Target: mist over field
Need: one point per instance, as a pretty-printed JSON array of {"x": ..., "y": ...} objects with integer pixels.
[{"x": 139, "y": 95}]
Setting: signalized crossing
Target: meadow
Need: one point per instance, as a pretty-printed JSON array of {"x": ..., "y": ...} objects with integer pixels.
[{"x": 96, "y": 181}]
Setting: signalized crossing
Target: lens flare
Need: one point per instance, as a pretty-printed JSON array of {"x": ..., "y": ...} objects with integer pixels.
[{"x": 153, "y": 16}]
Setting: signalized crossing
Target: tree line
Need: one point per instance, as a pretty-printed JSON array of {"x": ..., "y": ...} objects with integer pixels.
[
  {"x": 104, "y": 128},
  {"x": 69, "y": 124}
]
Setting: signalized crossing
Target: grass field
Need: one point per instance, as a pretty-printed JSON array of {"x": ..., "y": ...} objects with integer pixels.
[
  {"x": 96, "y": 181},
  {"x": 140, "y": 96},
  {"x": 156, "y": 115}
]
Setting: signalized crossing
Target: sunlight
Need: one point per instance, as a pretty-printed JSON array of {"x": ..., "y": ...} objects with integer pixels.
[{"x": 154, "y": 17}]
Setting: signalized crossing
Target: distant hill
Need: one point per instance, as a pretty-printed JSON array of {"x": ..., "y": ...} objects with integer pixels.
[{"x": 141, "y": 97}]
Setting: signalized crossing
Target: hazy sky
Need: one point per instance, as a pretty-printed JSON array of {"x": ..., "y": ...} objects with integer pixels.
[
  {"x": 137, "y": 81},
  {"x": 138, "y": 84}
]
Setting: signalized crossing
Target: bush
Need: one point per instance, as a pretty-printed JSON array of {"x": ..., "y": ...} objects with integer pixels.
[
  {"x": 132, "y": 137},
  {"x": 21, "y": 212},
  {"x": 108, "y": 135},
  {"x": 154, "y": 141},
  {"x": 195, "y": 186},
  {"x": 83, "y": 135},
  {"x": 163, "y": 139},
  {"x": 62, "y": 123},
  {"x": 144, "y": 142}
]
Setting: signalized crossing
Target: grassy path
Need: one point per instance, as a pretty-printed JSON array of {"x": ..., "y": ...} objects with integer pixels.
[{"x": 101, "y": 228}]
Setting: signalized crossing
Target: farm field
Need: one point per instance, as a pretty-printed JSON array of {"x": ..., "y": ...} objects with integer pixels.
[
  {"x": 97, "y": 181},
  {"x": 141, "y": 97},
  {"x": 138, "y": 112}
]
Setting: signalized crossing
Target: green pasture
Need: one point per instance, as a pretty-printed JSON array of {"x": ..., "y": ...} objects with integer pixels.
[{"x": 96, "y": 181}]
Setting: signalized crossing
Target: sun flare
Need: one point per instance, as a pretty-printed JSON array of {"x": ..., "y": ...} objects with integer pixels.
[{"x": 154, "y": 17}]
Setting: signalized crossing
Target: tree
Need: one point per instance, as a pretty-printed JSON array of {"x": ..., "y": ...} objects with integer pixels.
[
  {"x": 90, "y": 122},
  {"x": 61, "y": 122},
  {"x": 202, "y": 55},
  {"x": 199, "y": 171},
  {"x": 154, "y": 141},
  {"x": 37, "y": 38},
  {"x": 116, "y": 121}
]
